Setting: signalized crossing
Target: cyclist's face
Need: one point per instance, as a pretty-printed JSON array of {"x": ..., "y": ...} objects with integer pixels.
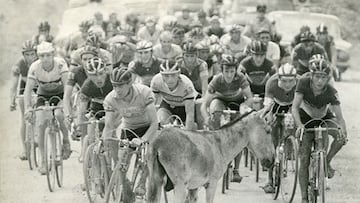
[
  {"x": 171, "y": 80},
  {"x": 44, "y": 32},
  {"x": 319, "y": 80},
  {"x": 204, "y": 54},
  {"x": 85, "y": 58},
  {"x": 189, "y": 58},
  {"x": 258, "y": 59},
  {"x": 287, "y": 82},
  {"x": 166, "y": 43},
  {"x": 122, "y": 90},
  {"x": 46, "y": 58},
  {"x": 98, "y": 79},
  {"x": 186, "y": 14},
  {"x": 215, "y": 24},
  {"x": 265, "y": 37},
  {"x": 144, "y": 56},
  {"x": 308, "y": 46},
  {"x": 235, "y": 35},
  {"x": 229, "y": 74},
  {"x": 178, "y": 39},
  {"x": 30, "y": 56}
]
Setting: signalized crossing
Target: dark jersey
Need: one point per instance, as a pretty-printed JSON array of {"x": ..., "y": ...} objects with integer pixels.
[
  {"x": 228, "y": 91},
  {"x": 194, "y": 73},
  {"x": 76, "y": 75},
  {"x": 146, "y": 73}
]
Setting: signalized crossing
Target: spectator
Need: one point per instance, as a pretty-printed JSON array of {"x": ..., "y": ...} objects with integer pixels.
[{"x": 259, "y": 22}]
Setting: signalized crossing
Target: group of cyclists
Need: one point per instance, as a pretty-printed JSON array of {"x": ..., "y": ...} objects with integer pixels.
[{"x": 141, "y": 73}]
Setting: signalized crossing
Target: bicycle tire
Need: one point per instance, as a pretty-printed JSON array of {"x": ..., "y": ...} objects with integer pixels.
[
  {"x": 59, "y": 160},
  {"x": 114, "y": 190},
  {"x": 312, "y": 194},
  {"x": 29, "y": 146},
  {"x": 277, "y": 180},
  {"x": 50, "y": 154},
  {"x": 290, "y": 170},
  {"x": 321, "y": 178},
  {"x": 88, "y": 171}
]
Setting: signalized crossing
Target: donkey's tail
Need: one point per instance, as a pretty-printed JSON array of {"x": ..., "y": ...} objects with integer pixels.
[{"x": 156, "y": 177}]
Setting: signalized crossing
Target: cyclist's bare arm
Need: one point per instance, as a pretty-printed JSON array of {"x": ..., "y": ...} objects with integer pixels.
[
  {"x": 338, "y": 112},
  {"x": 14, "y": 85},
  {"x": 30, "y": 84},
  {"x": 67, "y": 99},
  {"x": 204, "y": 76},
  {"x": 249, "y": 96},
  {"x": 110, "y": 124},
  {"x": 152, "y": 116},
  {"x": 206, "y": 104},
  {"x": 157, "y": 99},
  {"x": 189, "y": 109},
  {"x": 298, "y": 99},
  {"x": 84, "y": 100}
]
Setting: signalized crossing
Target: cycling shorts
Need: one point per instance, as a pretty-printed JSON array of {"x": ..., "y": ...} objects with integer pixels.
[
  {"x": 139, "y": 132},
  {"x": 177, "y": 110},
  {"x": 304, "y": 117},
  {"x": 277, "y": 108},
  {"x": 40, "y": 101}
]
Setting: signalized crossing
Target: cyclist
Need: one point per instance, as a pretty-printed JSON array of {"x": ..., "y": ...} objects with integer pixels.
[
  {"x": 184, "y": 20},
  {"x": 312, "y": 98},
  {"x": 215, "y": 27},
  {"x": 195, "y": 35},
  {"x": 194, "y": 68},
  {"x": 257, "y": 68},
  {"x": 169, "y": 23},
  {"x": 216, "y": 51},
  {"x": 226, "y": 88},
  {"x": 261, "y": 21},
  {"x": 76, "y": 78},
  {"x": 131, "y": 23},
  {"x": 166, "y": 50},
  {"x": 150, "y": 32},
  {"x": 279, "y": 94},
  {"x": 273, "y": 50},
  {"x": 201, "y": 17},
  {"x": 44, "y": 34},
  {"x": 203, "y": 52},
  {"x": 327, "y": 41},
  {"x": 176, "y": 94},
  {"x": 50, "y": 73},
  {"x": 146, "y": 65},
  {"x": 297, "y": 38},
  {"x": 94, "y": 90},
  {"x": 122, "y": 49},
  {"x": 234, "y": 42},
  {"x": 302, "y": 52},
  {"x": 19, "y": 73},
  {"x": 78, "y": 39},
  {"x": 178, "y": 36},
  {"x": 134, "y": 103}
]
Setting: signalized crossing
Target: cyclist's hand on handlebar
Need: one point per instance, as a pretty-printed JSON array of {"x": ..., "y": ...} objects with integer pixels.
[
  {"x": 137, "y": 141},
  {"x": 28, "y": 116},
  {"x": 13, "y": 107},
  {"x": 300, "y": 131}
]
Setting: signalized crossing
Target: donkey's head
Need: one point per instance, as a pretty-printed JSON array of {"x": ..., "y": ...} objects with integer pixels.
[{"x": 260, "y": 140}]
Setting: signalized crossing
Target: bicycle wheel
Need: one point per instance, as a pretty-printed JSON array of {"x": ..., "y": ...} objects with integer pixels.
[
  {"x": 289, "y": 169},
  {"x": 59, "y": 159},
  {"x": 92, "y": 175},
  {"x": 276, "y": 179},
  {"x": 312, "y": 190},
  {"x": 115, "y": 188},
  {"x": 29, "y": 145},
  {"x": 50, "y": 155},
  {"x": 321, "y": 178}
]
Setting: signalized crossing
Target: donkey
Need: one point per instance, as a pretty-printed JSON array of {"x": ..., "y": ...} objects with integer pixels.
[{"x": 192, "y": 159}]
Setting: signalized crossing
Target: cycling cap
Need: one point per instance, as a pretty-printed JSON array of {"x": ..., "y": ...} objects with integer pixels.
[
  {"x": 178, "y": 31},
  {"x": 307, "y": 37},
  {"x": 322, "y": 29},
  {"x": 126, "y": 29},
  {"x": 45, "y": 47},
  {"x": 203, "y": 45},
  {"x": 88, "y": 50},
  {"x": 320, "y": 66},
  {"x": 169, "y": 67},
  {"x": 228, "y": 60},
  {"x": 120, "y": 76},
  {"x": 189, "y": 48},
  {"x": 235, "y": 28},
  {"x": 95, "y": 65},
  {"x": 28, "y": 45},
  {"x": 93, "y": 40},
  {"x": 287, "y": 69},
  {"x": 216, "y": 49},
  {"x": 257, "y": 47},
  {"x": 263, "y": 30},
  {"x": 44, "y": 26},
  {"x": 144, "y": 45}
]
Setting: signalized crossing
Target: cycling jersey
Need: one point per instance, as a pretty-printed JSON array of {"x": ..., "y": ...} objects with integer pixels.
[
  {"x": 174, "y": 52},
  {"x": 91, "y": 91},
  {"x": 327, "y": 42},
  {"x": 278, "y": 94},
  {"x": 49, "y": 38},
  {"x": 273, "y": 51},
  {"x": 299, "y": 53},
  {"x": 229, "y": 92},
  {"x": 103, "y": 54},
  {"x": 194, "y": 72},
  {"x": 316, "y": 106},
  {"x": 257, "y": 75},
  {"x": 232, "y": 48},
  {"x": 133, "y": 112},
  {"x": 49, "y": 82},
  {"x": 143, "y": 34},
  {"x": 146, "y": 73},
  {"x": 77, "y": 75},
  {"x": 21, "y": 68},
  {"x": 184, "y": 91}
]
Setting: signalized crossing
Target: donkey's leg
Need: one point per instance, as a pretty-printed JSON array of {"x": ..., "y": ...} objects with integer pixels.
[
  {"x": 156, "y": 177},
  {"x": 193, "y": 195},
  {"x": 210, "y": 192},
  {"x": 180, "y": 193}
]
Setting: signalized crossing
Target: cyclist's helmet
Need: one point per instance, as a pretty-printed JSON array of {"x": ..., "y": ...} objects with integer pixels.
[
  {"x": 120, "y": 76},
  {"x": 216, "y": 49},
  {"x": 44, "y": 26},
  {"x": 178, "y": 31},
  {"x": 322, "y": 29},
  {"x": 203, "y": 45},
  {"x": 28, "y": 45},
  {"x": 235, "y": 28},
  {"x": 144, "y": 45},
  {"x": 95, "y": 65},
  {"x": 93, "y": 40},
  {"x": 228, "y": 61},
  {"x": 189, "y": 48},
  {"x": 196, "y": 32},
  {"x": 88, "y": 50},
  {"x": 316, "y": 57},
  {"x": 307, "y": 37},
  {"x": 320, "y": 66},
  {"x": 126, "y": 29},
  {"x": 45, "y": 47},
  {"x": 213, "y": 39},
  {"x": 257, "y": 47},
  {"x": 287, "y": 69},
  {"x": 169, "y": 67}
]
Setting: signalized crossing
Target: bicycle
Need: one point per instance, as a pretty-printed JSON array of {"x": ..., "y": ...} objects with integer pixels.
[
  {"x": 119, "y": 178},
  {"x": 318, "y": 166},
  {"x": 96, "y": 166},
  {"x": 52, "y": 146},
  {"x": 285, "y": 170}
]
